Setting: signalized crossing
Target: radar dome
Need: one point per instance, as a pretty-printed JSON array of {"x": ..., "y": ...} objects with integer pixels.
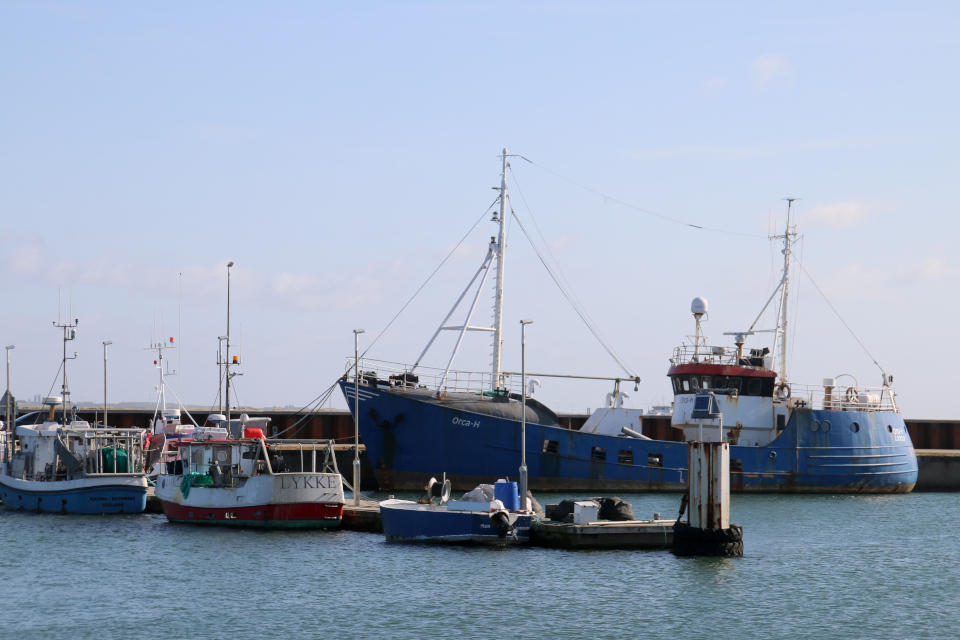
[{"x": 698, "y": 306}]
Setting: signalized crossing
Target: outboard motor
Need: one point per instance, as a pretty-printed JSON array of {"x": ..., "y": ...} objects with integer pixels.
[{"x": 501, "y": 520}]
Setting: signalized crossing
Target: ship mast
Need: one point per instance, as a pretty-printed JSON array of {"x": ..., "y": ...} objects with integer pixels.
[
  {"x": 227, "y": 363},
  {"x": 69, "y": 333},
  {"x": 500, "y": 251},
  {"x": 789, "y": 237}
]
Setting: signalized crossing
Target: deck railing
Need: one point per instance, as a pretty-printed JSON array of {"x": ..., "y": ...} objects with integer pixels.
[
  {"x": 296, "y": 456},
  {"x": 727, "y": 356},
  {"x": 840, "y": 398},
  {"x": 94, "y": 447},
  {"x": 394, "y": 374}
]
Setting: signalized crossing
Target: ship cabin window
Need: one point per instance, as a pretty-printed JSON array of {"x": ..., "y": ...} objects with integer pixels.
[
  {"x": 551, "y": 447},
  {"x": 749, "y": 386},
  {"x": 736, "y": 466},
  {"x": 625, "y": 456},
  {"x": 598, "y": 454},
  {"x": 655, "y": 460}
]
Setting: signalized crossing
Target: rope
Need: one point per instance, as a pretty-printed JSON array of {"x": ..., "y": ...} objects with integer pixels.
[
  {"x": 796, "y": 306},
  {"x": 817, "y": 287},
  {"x": 55, "y": 384},
  {"x": 593, "y": 325},
  {"x": 609, "y": 349},
  {"x": 632, "y": 206},
  {"x": 430, "y": 277},
  {"x": 310, "y": 408}
]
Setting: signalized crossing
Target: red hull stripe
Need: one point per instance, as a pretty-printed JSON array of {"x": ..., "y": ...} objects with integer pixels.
[
  {"x": 302, "y": 514},
  {"x": 718, "y": 370}
]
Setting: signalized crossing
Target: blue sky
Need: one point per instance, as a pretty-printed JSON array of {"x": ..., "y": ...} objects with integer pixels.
[{"x": 337, "y": 153}]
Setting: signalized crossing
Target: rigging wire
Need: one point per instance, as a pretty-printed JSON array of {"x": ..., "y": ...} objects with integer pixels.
[
  {"x": 817, "y": 287},
  {"x": 609, "y": 349},
  {"x": 310, "y": 409},
  {"x": 55, "y": 379},
  {"x": 497, "y": 199},
  {"x": 568, "y": 291},
  {"x": 632, "y": 206},
  {"x": 796, "y": 306}
]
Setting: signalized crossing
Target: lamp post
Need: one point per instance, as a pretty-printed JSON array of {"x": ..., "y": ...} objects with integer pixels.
[
  {"x": 105, "y": 345},
  {"x": 523, "y": 413},
  {"x": 356, "y": 416},
  {"x": 10, "y": 425},
  {"x": 227, "y": 363}
]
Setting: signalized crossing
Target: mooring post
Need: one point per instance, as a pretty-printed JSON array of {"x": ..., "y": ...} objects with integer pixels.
[{"x": 708, "y": 531}]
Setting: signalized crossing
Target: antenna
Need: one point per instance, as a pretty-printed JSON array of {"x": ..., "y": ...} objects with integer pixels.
[{"x": 179, "y": 338}]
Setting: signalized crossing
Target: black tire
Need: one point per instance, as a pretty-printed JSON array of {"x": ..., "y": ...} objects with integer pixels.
[
  {"x": 731, "y": 549},
  {"x": 692, "y": 541},
  {"x": 683, "y": 531},
  {"x": 688, "y": 548}
]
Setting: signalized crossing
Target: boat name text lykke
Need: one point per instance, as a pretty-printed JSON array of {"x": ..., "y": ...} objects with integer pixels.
[{"x": 308, "y": 482}]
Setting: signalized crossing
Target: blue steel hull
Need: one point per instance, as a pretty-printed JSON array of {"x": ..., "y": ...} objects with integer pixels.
[
  {"x": 409, "y": 438},
  {"x": 457, "y": 527},
  {"x": 102, "y": 499}
]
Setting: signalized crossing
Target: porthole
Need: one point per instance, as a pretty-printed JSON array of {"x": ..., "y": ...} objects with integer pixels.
[
  {"x": 855, "y": 427},
  {"x": 890, "y": 428},
  {"x": 825, "y": 426},
  {"x": 814, "y": 425}
]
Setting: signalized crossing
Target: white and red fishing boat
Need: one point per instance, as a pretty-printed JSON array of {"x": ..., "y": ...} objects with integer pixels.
[
  {"x": 229, "y": 474},
  {"x": 251, "y": 482}
]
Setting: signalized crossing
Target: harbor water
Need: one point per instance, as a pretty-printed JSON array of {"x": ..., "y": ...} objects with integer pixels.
[{"x": 814, "y": 567}]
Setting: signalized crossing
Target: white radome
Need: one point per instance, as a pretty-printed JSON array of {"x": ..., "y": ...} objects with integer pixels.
[{"x": 698, "y": 306}]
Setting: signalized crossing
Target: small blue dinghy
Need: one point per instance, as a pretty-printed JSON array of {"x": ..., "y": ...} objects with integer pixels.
[{"x": 436, "y": 518}]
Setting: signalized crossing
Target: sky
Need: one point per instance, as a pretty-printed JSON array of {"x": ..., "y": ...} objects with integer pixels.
[{"x": 337, "y": 153}]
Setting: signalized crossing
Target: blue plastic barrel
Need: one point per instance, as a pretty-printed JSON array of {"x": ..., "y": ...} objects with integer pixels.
[{"x": 506, "y": 492}]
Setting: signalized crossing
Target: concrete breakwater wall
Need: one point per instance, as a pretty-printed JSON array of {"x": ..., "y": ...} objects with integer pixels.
[
  {"x": 337, "y": 424},
  {"x": 937, "y": 441}
]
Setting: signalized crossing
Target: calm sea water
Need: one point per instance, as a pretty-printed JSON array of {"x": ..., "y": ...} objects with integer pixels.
[{"x": 815, "y": 567}]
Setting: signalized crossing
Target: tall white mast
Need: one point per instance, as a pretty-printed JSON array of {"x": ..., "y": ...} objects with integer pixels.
[
  {"x": 788, "y": 239},
  {"x": 498, "y": 295},
  {"x": 227, "y": 364}
]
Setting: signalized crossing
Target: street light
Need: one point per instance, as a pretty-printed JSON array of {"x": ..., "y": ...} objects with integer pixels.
[
  {"x": 227, "y": 365},
  {"x": 105, "y": 345},
  {"x": 523, "y": 413},
  {"x": 10, "y": 425},
  {"x": 356, "y": 416}
]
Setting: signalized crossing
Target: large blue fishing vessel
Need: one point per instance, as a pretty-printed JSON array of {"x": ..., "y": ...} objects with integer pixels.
[
  {"x": 784, "y": 437},
  {"x": 57, "y": 463}
]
